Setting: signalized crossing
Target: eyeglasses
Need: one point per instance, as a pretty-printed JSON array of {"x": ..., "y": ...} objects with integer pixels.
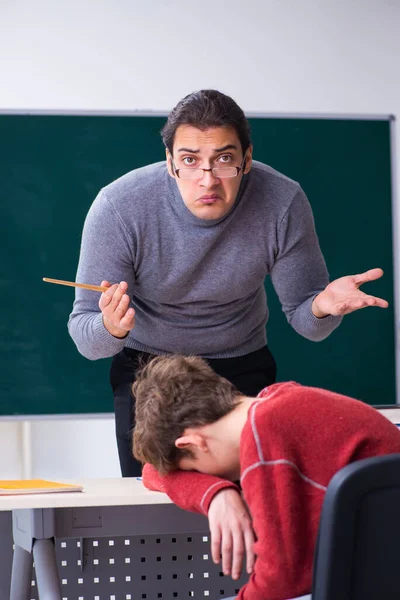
[{"x": 219, "y": 172}]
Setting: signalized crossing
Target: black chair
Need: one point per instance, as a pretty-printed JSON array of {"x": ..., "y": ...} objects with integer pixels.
[{"x": 357, "y": 554}]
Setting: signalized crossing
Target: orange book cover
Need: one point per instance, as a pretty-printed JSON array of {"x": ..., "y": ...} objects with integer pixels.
[{"x": 35, "y": 486}]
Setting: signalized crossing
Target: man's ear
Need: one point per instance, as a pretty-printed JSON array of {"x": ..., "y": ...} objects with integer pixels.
[
  {"x": 169, "y": 163},
  {"x": 249, "y": 159},
  {"x": 193, "y": 440}
]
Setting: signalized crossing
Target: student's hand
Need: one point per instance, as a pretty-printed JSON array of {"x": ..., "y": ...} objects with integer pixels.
[
  {"x": 118, "y": 318},
  {"x": 343, "y": 295},
  {"x": 231, "y": 532}
]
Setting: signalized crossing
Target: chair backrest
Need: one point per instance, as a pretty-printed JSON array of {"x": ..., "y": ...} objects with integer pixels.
[{"x": 357, "y": 554}]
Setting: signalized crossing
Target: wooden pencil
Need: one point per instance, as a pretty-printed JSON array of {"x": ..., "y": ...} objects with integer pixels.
[{"x": 86, "y": 286}]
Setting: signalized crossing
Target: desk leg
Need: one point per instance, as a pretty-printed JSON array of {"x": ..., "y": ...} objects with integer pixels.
[
  {"x": 21, "y": 574},
  {"x": 34, "y": 532},
  {"x": 44, "y": 556}
]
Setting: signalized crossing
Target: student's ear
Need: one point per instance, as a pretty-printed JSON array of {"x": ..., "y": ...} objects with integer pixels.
[
  {"x": 193, "y": 440},
  {"x": 249, "y": 159},
  {"x": 169, "y": 163}
]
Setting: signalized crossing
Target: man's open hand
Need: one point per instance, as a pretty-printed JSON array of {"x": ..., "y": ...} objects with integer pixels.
[{"x": 343, "y": 295}]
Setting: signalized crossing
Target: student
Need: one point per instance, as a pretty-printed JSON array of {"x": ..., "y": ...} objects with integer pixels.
[
  {"x": 187, "y": 244},
  {"x": 284, "y": 446}
]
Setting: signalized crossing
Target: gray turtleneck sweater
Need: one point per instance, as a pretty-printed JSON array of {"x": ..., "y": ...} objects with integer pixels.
[{"x": 197, "y": 286}]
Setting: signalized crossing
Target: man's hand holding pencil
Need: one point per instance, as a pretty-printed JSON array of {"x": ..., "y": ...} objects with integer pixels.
[{"x": 118, "y": 317}]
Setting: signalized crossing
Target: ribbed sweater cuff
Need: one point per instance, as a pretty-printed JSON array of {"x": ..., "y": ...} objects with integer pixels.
[
  {"x": 314, "y": 328},
  {"x": 213, "y": 491},
  {"x": 112, "y": 345}
]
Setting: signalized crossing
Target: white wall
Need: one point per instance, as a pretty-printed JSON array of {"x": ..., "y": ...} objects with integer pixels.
[{"x": 325, "y": 56}]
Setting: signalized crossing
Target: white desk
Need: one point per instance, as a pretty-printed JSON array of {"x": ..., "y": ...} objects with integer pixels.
[
  {"x": 393, "y": 414},
  {"x": 110, "y": 507},
  {"x": 97, "y": 492}
]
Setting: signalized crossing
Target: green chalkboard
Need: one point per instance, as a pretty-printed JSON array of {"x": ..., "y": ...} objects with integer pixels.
[{"x": 51, "y": 168}]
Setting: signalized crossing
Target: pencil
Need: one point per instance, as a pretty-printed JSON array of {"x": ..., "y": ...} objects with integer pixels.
[{"x": 86, "y": 286}]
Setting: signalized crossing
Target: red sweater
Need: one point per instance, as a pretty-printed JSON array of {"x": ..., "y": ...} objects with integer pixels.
[{"x": 292, "y": 444}]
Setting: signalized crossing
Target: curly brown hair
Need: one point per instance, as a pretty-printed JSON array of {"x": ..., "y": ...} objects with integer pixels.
[{"x": 174, "y": 393}]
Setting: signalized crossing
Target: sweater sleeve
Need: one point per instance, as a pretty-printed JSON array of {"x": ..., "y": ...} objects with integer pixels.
[
  {"x": 106, "y": 254},
  {"x": 299, "y": 273},
  {"x": 187, "y": 489}
]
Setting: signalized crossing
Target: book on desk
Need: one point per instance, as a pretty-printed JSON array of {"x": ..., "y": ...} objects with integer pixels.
[{"x": 35, "y": 486}]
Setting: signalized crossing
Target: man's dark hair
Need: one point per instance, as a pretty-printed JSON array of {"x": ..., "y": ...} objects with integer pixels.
[{"x": 204, "y": 109}]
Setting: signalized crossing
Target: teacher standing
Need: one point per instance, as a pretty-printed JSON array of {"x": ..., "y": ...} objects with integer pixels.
[{"x": 185, "y": 246}]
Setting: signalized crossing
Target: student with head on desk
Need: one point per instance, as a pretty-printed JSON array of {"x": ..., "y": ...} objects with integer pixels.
[
  {"x": 187, "y": 244},
  {"x": 284, "y": 446}
]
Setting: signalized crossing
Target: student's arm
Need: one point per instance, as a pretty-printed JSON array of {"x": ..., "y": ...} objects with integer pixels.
[
  {"x": 299, "y": 273},
  {"x": 106, "y": 254},
  {"x": 231, "y": 530},
  {"x": 189, "y": 490}
]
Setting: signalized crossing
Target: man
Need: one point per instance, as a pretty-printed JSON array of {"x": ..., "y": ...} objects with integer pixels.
[
  {"x": 184, "y": 247},
  {"x": 284, "y": 446}
]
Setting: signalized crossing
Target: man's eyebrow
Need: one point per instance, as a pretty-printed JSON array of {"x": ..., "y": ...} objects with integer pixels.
[
  {"x": 188, "y": 150},
  {"x": 226, "y": 147}
]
